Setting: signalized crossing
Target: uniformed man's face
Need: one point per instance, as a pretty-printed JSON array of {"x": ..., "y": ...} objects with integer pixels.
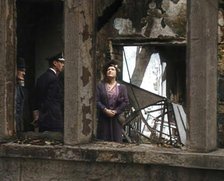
[{"x": 59, "y": 65}]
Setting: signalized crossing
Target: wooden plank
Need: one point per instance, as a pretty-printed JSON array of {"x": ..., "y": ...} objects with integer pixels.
[{"x": 180, "y": 117}]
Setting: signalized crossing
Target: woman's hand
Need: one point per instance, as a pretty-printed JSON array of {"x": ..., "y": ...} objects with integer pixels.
[{"x": 109, "y": 112}]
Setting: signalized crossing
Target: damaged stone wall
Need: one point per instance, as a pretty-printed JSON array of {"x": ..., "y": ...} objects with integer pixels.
[
  {"x": 151, "y": 19},
  {"x": 79, "y": 79},
  {"x": 140, "y": 21},
  {"x": 7, "y": 66},
  {"x": 107, "y": 161},
  {"x": 40, "y": 170}
]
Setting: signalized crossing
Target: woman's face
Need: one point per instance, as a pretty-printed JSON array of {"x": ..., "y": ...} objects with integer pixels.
[{"x": 111, "y": 72}]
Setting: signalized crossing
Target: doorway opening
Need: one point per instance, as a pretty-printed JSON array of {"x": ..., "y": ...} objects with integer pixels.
[{"x": 40, "y": 34}]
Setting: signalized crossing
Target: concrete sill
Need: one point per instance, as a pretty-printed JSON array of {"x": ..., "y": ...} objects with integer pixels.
[{"x": 117, "y": 153}]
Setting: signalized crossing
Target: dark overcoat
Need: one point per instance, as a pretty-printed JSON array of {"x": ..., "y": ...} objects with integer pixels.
[
  {"x": 109, "y": 129},
  {"x": 20, "y": 97},
  {"x": 49, "y": 102}
]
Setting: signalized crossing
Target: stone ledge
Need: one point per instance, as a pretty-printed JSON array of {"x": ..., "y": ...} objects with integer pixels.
[{"x": 117, "y": 153}]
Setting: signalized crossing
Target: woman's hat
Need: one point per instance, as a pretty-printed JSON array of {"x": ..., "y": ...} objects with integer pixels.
[{"x": 111, "y": 63}]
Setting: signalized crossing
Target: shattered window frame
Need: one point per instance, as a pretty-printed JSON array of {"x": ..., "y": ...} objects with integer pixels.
[{"x": 170, "y": 115}]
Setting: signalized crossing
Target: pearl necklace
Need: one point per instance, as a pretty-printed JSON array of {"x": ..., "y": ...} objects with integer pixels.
[{"x": 110, "y": 87}]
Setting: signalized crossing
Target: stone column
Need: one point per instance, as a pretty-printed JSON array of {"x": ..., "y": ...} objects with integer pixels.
[
  {"x": 79, "y": 71},
  {"x": 7, "y": 66},
  {"x": 202, "y": 74}
]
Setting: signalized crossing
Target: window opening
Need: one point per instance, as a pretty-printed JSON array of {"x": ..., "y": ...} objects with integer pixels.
[
  {"x": 153, "y": 117},
  {"x": 39, "y": 36}
]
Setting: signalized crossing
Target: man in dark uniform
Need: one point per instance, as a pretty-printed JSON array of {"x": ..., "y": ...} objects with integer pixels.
[
  {"x": 48, "y": 112},
  {"x": 20, "y": 94}
]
